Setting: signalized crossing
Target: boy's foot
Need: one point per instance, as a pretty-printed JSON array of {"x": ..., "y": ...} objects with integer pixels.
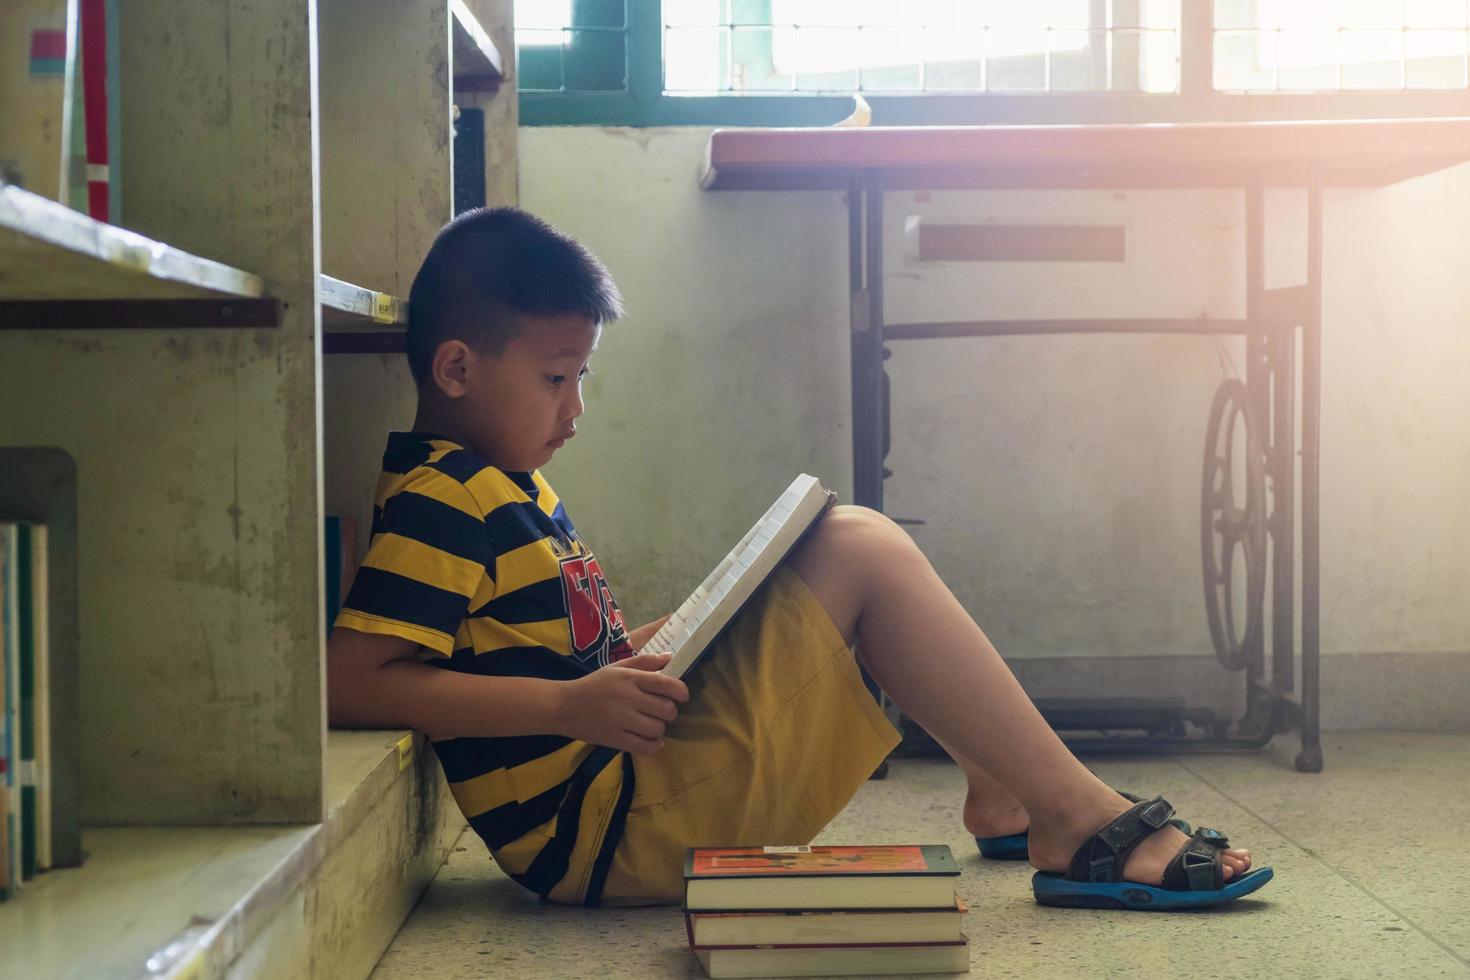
[
  {"x": 990, "y": 816},
  {"x": 1052, "y": 846},
  {"x": 985, "y": 816}
]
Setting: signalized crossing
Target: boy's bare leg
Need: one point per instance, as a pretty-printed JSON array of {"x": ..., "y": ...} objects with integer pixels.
[
  {"x": 935, "y": 662},
  {"x": 990, "y": 809}
]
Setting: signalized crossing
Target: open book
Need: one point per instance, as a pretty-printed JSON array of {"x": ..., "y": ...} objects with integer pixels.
[{"x": 701, "y": 618}]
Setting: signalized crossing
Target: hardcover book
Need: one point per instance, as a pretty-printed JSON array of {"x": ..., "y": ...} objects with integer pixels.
[
  {"x": 825, "y": 961},
  {"x": 820, "y": 877},
  {"x": 698, "y": 622},
  {"x": 825, "y": 927}
]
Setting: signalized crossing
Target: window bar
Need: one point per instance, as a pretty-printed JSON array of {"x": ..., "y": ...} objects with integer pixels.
[
  {"x": 643, "y": 50},
  {"x": 1197, "y": 37},
  {"x": 923, "y": 62},
  {"x": 1046, "y": 62},
  {"x": 561, "y": 60},
  {"x": 985, "y": 58},
  {"x": 795, "y": 47}
]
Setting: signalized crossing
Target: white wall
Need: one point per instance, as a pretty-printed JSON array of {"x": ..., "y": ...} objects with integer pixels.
[{"x": 1059, "y": 476}]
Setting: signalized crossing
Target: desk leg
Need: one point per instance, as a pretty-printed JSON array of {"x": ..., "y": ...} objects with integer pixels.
[
  {"x": 1310, "y": 759},
  {"x": 865, "y": 271},
  {"x": 1259, "y": 719},
  {"x": 1283, "y": 507},
  {"x": 865, "y": 295}
]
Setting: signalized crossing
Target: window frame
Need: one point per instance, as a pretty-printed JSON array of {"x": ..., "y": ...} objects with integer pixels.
[{"x": 643, "y": 102}]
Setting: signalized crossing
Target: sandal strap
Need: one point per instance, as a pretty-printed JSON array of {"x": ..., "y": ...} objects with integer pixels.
[
  {"x": 1214, "y": 837},
  {"x": 1102, "y": 856},
  {"x": 1198, "y": 865}
]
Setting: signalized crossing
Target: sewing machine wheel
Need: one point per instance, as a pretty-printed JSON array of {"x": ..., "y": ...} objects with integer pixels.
[{"x": 1234, "y": 466}]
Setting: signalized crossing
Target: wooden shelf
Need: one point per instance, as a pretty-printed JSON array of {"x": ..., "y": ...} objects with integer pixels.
[
  {"x": 50, "y": 252},
  {"x": 1353, "y": 153},
  {"x": 197, "y": 899},
  {"x": 478, "y": 66},
  {"x": 64, "y": 270},
  {"x": 349, "y": 306}
]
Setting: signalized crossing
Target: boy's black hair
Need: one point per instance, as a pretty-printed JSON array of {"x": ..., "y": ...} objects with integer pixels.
[{"x": 489, "y": 266}]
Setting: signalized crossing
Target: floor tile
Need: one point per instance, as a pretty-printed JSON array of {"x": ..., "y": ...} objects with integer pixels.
[{"x": 1333, "y": 909}]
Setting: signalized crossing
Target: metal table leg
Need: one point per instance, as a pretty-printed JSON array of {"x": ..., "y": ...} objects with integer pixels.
[
  {"x": 1270, "y": 378},
  {"x": 1310, "y": 757},
  {"x": 865, "y": 298},
  {"x": 865, "y": 271}
]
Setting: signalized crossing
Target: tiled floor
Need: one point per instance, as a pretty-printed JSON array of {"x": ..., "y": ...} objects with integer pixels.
[{"x": 1372, "y": 880}]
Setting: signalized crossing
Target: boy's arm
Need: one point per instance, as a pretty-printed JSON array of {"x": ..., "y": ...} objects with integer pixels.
[{"x": 374, "y": 682}]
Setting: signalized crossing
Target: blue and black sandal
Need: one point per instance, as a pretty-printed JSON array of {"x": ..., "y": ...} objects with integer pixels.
[
  {"x": 1194, "y": 879},
  {"x": 1008, "y": 847},
  {"x": 1013, "y": 847}
]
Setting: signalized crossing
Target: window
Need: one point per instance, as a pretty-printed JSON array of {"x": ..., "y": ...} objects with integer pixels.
[
  {"x": 797, "y": 62},
  {"x": 572, "y": 45},
  {"x": 1335, "y": 45},
  {"x": 919, "y": 46}
]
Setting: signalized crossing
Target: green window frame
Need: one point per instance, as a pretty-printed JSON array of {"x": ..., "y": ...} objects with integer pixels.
[{"x": 618, "y": 45}]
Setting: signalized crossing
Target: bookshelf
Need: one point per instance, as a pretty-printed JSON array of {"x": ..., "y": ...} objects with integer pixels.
[
  {"x": 386, "y": 189},
  {"x": 49, "y": 251},
  {"x": 478, "y": 65},
  {"x": 64, "y": 270},
  {"x": 283, "y": 201},
  {"x": 197, "y": 499},
  {"x": 345, "y": 306}
]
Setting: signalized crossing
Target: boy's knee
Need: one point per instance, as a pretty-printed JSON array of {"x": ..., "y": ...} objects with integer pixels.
[
  {"x": 857, "y": 514},
  {"x": 865, "y": 527}
]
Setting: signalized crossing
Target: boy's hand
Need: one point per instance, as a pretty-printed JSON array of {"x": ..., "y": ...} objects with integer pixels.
[
  {"x": 640, "y": 636},
  {"x": 625, "y": 705}
]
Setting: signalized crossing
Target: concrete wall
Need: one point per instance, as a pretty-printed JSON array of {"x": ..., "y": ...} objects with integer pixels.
[
  {"x": 1060, "y": 477},
  {"x": 197, "y": 451},
  {"x": 727, "y": 377}
]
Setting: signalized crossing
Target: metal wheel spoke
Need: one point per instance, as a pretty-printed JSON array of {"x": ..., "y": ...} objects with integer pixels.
[{"x": 1227, "y": 525}]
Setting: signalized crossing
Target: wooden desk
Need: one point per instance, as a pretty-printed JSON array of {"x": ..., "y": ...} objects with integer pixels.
[
  {"x": 1245, "y": 156},
  {"x": 1351, "y": 153}
]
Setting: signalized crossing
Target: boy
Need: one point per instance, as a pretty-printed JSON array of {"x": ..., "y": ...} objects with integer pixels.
[{"x": 481, "y": 618}]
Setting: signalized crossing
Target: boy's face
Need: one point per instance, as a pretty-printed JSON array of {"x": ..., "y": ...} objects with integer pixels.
[{"x": 520, "y": 407}]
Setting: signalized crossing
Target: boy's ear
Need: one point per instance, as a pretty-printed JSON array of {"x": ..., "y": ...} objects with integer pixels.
[{"x": 450, "y": 368}]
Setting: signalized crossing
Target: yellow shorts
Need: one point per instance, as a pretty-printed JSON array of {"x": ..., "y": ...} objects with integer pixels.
[{"x": 778, "y": 734}]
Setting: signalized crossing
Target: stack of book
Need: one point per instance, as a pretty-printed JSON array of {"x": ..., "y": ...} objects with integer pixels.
[
  {"x": 25, "y": 725},
  {"x": 824, "y": 911}
]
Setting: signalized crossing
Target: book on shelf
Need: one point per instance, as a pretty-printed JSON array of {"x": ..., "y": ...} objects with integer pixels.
[
  {"x": 6, "y": 713},
  {"x": 700, "y": 619},
  {"x": 825, "y": 961},
  {"x": 907, "y": 876},
  {"x": 41, "y": 644},
  {"x": 26, "y": 841},
  {"x": 826, "y": 927},
  {"x": 38, "y": 511},
  {"x": 10, "y": 641},
  {"x": 27, "y": 774}
]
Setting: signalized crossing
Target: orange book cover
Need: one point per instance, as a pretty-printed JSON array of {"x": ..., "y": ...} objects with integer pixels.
[{"x": 819, "y": 861}]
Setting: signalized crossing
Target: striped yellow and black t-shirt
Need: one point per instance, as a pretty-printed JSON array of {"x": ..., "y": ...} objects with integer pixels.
[{"x": 483, "y": 568}]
